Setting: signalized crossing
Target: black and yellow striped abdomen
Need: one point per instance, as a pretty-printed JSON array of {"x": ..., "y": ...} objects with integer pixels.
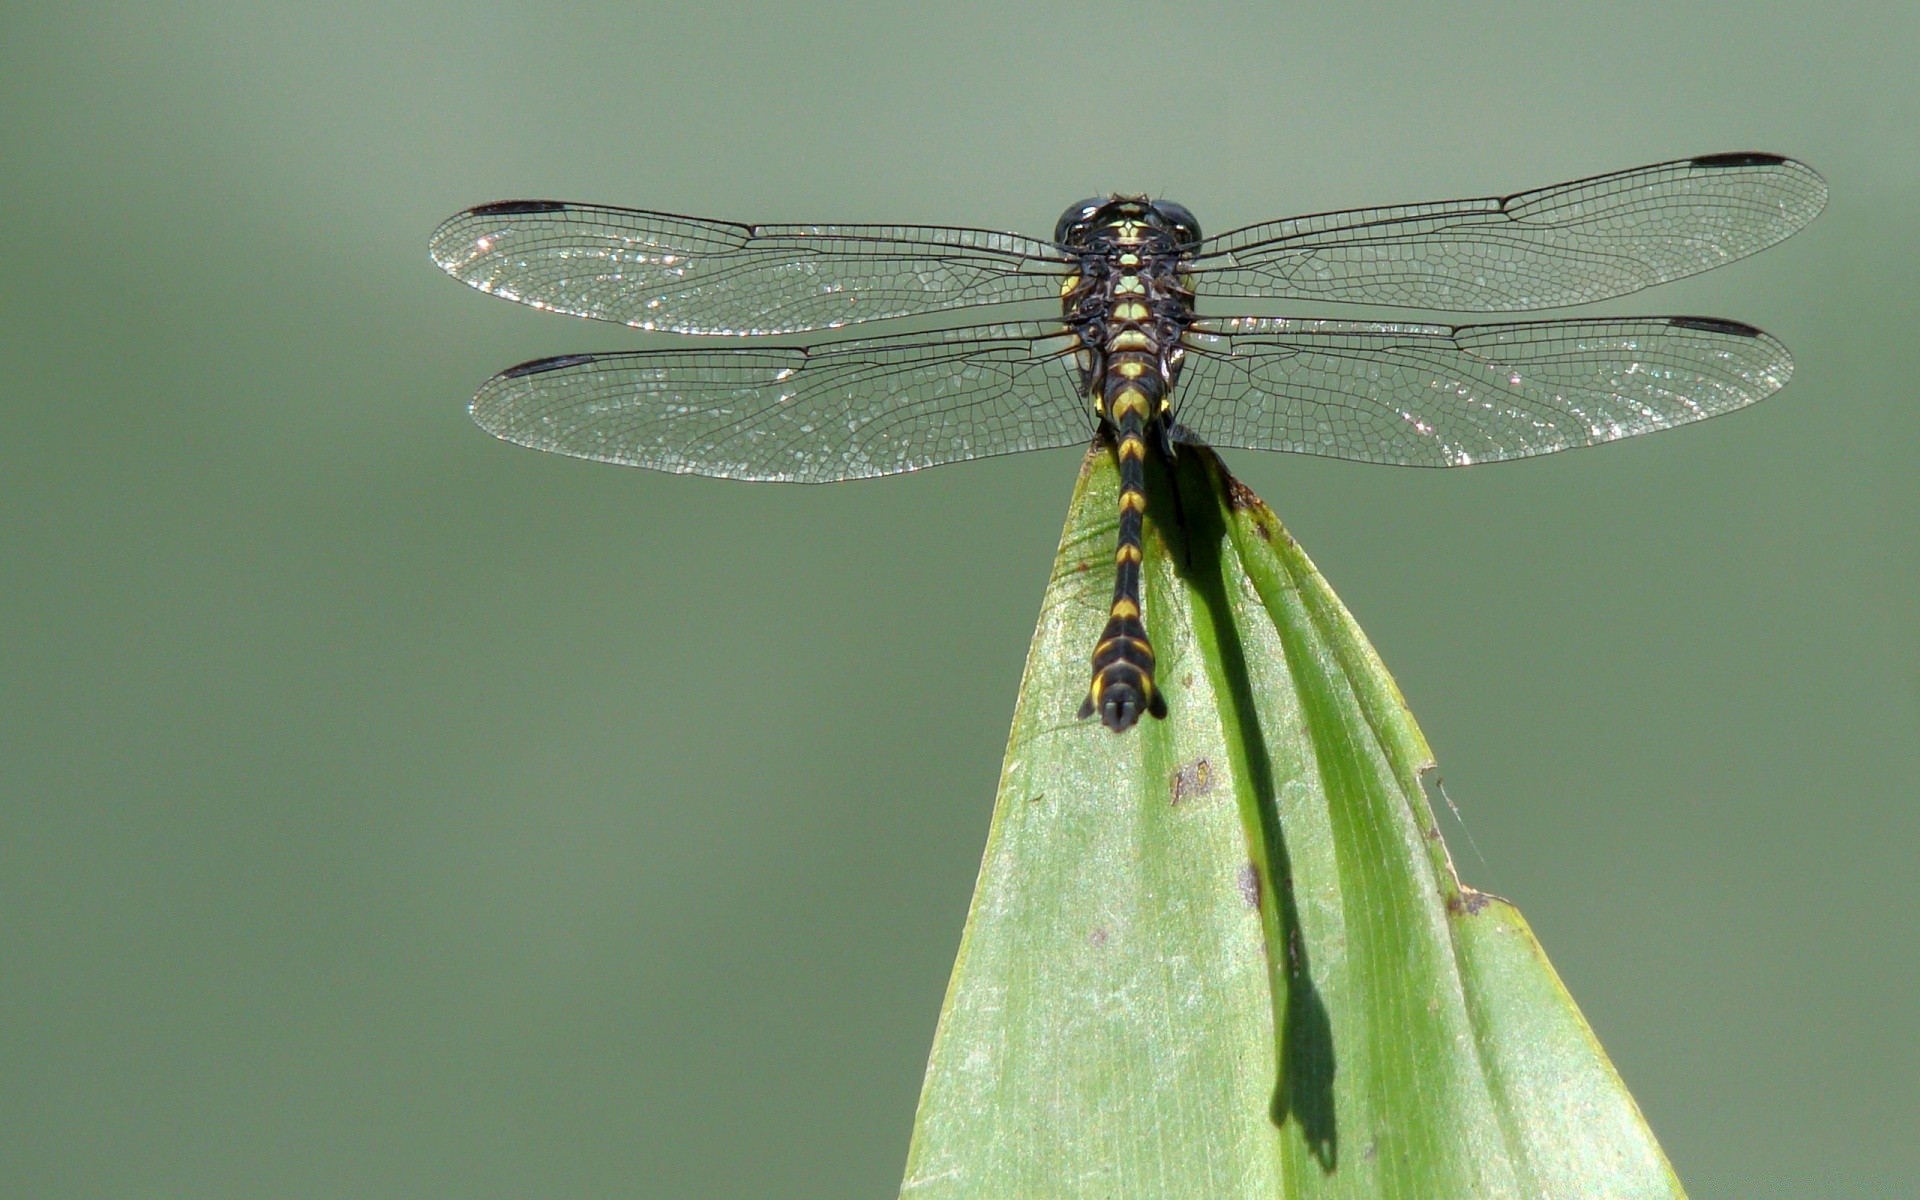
[
  {"x": 1129, "y": 305},
  {"x": 1123, "y": 684}
]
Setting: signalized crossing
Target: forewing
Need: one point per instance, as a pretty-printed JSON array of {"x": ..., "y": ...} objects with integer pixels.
[
  {"x": 687, "y": 275},
  {"x": 1445, "y": 396},
  {"x": 1568, "y": 244},
  {"x": 844, "y": 411}
]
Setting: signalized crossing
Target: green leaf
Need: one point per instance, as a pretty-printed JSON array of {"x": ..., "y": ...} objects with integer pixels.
[{"x": 1225, "y": 954}]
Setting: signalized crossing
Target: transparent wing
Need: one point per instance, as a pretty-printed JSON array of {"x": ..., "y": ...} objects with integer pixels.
[
  {"x": 1569, "y": 244},
  {"x": 1445, "y": 396},
  {"x": 686, "y": 275},
  {"x": 843, "y": 411}
]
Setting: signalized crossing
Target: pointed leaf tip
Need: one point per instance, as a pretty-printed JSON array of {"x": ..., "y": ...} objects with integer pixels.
[{"x": 1225, "y": 954}]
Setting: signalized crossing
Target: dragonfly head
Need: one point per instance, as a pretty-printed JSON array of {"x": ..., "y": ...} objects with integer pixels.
[{"x": 1096, "y": 223}]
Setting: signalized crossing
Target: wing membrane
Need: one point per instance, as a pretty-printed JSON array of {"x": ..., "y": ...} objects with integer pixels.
[
  {"x": 1568, "y": 244},
  {"x": 687, "y": 275},
  {"x": 844, "y": 411},
  {"x": 1443, "y": 396}
]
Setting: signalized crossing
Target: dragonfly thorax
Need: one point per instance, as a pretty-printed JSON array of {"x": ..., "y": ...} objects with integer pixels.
[{"x": 1128, "y": 303}]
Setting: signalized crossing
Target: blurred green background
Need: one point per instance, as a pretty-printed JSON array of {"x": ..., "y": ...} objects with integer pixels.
[{"x": 387, "y": 811}]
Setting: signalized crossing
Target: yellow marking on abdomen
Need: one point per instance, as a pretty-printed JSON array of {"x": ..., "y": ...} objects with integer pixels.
[
  {"x": 1125, "y": 608},
  {"x": 1128, "y": 400},
  {"x": 1132, "y": 310},
  {"x": 1132, "y": 501},
  {"x": 1126, "y": 554}
]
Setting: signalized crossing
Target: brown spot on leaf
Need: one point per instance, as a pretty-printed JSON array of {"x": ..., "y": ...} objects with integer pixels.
[
  {"x": 1241, "y": 499},
  {"x": 1194, "y": 779},
  {"x": 1097, "y": 936},
  {"x": 1468, "y": 902},
  {"x": 1250, "y": 886}
]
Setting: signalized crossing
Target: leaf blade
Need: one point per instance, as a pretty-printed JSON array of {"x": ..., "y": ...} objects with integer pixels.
[{"x": 1226, "y": 954}]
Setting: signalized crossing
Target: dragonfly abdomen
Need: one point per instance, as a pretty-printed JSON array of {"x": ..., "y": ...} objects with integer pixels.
[
  {"x": 1123, "y": 684},
  {"x": 1133, "y": 403}
]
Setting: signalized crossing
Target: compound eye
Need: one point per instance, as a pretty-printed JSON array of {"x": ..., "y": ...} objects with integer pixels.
[
  {"x": 1179, "y": 219},
  {"x": 1075, "y": 215}
]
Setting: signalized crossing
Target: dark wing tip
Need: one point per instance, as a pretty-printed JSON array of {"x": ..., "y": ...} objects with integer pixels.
[
  {"x": 1740, "y": 158},
  {"x": 1715, "y": 325},
  {"x": 514, "y": 208},
  {"x": 454, "y": 246},
  {"x": 540, "y": 366}
]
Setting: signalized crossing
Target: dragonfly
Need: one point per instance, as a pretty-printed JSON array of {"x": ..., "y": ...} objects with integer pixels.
[{"x": 1132, "y": 361}]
